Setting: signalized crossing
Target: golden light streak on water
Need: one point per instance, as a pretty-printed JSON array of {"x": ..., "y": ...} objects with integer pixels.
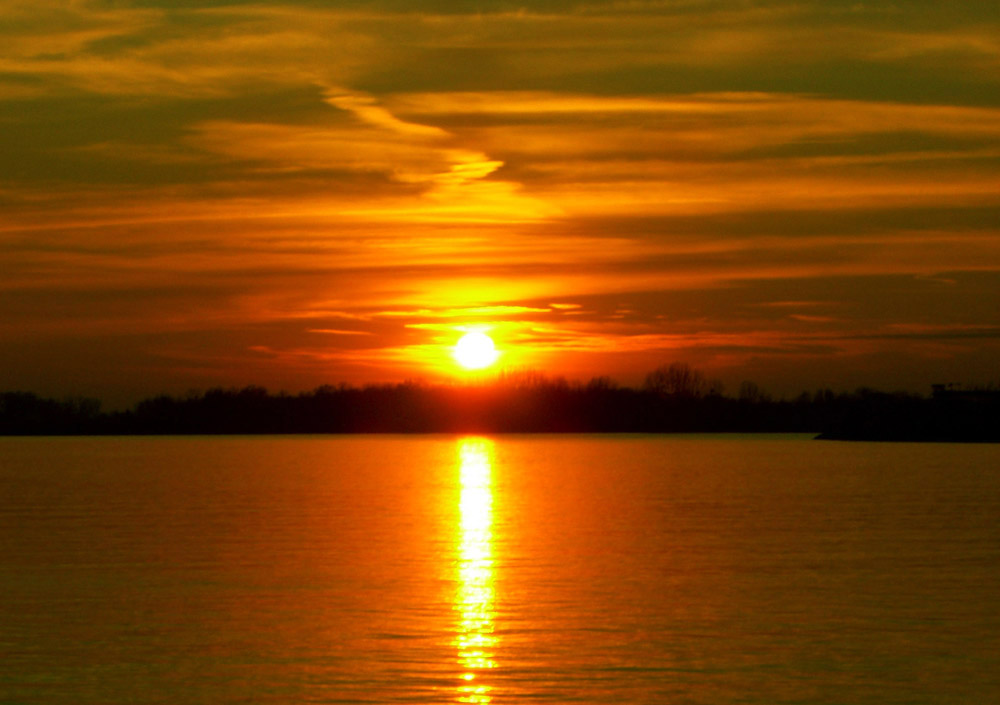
[{"x": 474, "y": 599}]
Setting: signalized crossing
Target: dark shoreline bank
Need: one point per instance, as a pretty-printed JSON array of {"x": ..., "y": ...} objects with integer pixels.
[{"x": 542, "y": 407}]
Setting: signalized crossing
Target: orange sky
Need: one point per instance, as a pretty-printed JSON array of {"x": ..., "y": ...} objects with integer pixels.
[{"x": 196, "y": 194}]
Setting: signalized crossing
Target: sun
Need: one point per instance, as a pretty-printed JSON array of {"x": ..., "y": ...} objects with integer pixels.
[{"x": 475, "y": 350}]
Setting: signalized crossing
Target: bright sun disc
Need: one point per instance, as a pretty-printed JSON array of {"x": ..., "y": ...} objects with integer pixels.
[{"x": 475, "y": 350}]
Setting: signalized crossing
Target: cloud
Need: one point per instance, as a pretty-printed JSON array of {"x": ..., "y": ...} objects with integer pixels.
[
  {"x": 466, "y": 313},
  {"x": 589, "y": 155},
  {"x": 339, "y": 331},
  {"x": 367, "y": 110}
]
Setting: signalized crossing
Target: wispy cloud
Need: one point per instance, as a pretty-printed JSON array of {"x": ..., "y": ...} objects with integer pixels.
[{"x": 367, "y": 110}]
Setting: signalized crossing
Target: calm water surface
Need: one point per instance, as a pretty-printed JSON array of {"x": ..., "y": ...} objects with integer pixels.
[{"x": 567, "y": 569}]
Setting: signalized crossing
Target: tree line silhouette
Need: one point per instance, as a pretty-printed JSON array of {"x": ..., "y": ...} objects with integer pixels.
[{"x": 673, "y": 399}]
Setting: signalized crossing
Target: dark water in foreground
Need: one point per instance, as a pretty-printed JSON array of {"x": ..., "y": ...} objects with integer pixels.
[{"x": 565, "y": 569}]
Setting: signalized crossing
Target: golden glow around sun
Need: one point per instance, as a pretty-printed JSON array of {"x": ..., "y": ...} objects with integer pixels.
[{"x": 475, "y": 350}]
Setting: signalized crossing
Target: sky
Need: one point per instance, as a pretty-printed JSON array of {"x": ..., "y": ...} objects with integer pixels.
[{"x": 805, "y": 194}]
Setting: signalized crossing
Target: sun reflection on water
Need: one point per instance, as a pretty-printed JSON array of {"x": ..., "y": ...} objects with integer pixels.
[{"x": 474, "y": 600}]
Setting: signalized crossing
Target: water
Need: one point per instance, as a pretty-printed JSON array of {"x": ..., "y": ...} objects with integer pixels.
[{"x": 567, "y": 569}]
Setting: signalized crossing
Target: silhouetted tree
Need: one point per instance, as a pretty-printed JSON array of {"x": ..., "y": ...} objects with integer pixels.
[
  {"x": 750, "y": 393},
  {"x": 601, "y": 384},
  {"x": 676, "y": 380}
]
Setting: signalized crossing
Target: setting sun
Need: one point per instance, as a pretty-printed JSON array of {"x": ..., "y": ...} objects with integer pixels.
[{"x": 475, "y": 350}]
